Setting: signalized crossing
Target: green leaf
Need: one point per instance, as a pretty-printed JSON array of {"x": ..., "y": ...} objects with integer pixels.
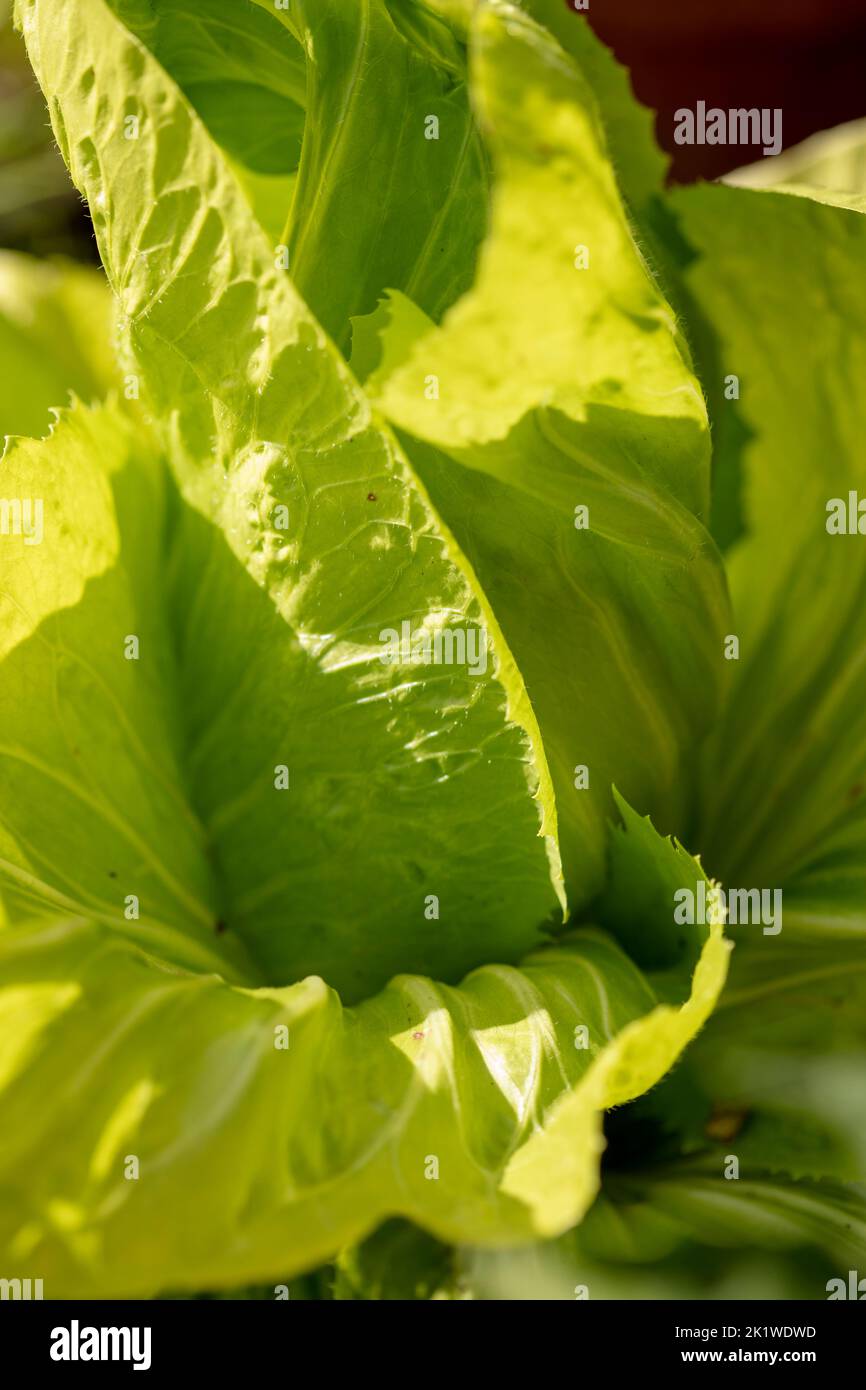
[
  {"x": 245, "y": 76},
  {"x": 833, "y": 161},
  {"x": 785, "y": 771},
  {"x": 68, "y": 812},
  {"x": 160, "y": 1035},
  {"x": 587, "y": 403},
  {"x": 782, "y": 803},
  {"x": 401, "y": 781},
  {"x": 392, "y": 184},
  {"x": 788, "y": 1047},
  {"x": 94, "y": 806},
  {"x": 639, "y": 163},
  {"x": 55, "y": 336},
  {"x": 308, "y": 1146},
  {"x": 638, "y": 901},
  {"x": 458, "y": 13},
  {"x": 645, "y": 1212},
  {"x": 685, "y": 1232},
  {"x": 243, "y": 72}
]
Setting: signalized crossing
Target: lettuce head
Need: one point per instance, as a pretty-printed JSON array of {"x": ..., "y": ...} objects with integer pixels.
[{"x": 366, "y": 681}]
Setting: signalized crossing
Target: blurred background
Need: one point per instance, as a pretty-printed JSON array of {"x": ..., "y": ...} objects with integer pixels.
[
  {"x": 806, "y": 56},
  {"x": 40, "y": 212}
]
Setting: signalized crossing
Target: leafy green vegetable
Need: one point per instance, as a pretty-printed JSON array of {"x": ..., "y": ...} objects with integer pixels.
[
  {"x": 273, "y": 802},
  {"x": 475, "y": 1111},
  {"x": 362, "y": 638},
  {"x": 797, "y": 588},
  {"x": 832, "y": 162},
  {"x": 319, "y": 540},
  {"x": 639, "y": 164},
  {"x": 400, "y": 163},
  {"x": 588, "y": 408},
  {"x": 786, "y": 764}
]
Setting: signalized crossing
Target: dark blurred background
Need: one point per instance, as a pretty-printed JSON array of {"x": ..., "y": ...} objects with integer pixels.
[
  {"x": 39, "y": 210},
  {"x": 806, "y": 56}
]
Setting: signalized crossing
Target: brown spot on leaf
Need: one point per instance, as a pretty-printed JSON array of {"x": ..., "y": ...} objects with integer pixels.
[{"x": 725, "y": 1123}]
